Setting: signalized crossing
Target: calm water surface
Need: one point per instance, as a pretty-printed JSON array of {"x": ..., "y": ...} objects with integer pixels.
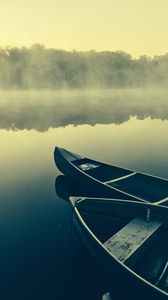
[{"x": 40, "y": 255}]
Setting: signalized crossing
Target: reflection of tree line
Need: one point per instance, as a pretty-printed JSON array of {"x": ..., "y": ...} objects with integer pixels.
[
  {"x": 45, "y": 111},
  {"x": 37, "y": 68}
]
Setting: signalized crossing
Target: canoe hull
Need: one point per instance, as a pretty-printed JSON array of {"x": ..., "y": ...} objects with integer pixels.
[
  {"x": 112, "y": 181},
  {"x": 118, "y": 277},
  {"x": 68, "y": 169}
]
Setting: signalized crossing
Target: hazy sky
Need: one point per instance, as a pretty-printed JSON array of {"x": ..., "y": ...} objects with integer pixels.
[{"x": 135, "y": 26}]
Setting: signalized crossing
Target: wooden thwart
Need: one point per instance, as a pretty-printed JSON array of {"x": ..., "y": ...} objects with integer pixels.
[
  {"x": 130, "y": 242},
  {"x": 120, "y": 178}
]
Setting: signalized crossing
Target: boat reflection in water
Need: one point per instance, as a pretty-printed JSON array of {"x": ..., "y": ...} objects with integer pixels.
[
  {"x": 104, "y": 223},
  {"x": 66, "y": 187}
]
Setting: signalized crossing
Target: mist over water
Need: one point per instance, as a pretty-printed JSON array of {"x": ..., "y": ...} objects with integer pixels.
[
  {"x": 41, "y": 110},
  {"x": 40, "y": 68}
]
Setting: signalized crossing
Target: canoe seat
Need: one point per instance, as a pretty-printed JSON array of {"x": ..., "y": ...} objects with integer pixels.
[{"x": 128, "y": 244}]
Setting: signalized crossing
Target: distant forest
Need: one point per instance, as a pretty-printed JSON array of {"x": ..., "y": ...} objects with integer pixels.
[{"x": 41, "y": 68}]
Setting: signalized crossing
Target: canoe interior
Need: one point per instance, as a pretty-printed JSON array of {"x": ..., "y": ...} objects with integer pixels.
[
  {"x": 106, "y": 218},
  {"x": 147, "y": 187},
  {"x": 144, "y": 186},
  {"x": 101, "y": 172}
]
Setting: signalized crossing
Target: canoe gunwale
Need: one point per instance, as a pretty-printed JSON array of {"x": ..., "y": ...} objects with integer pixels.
[{"x": 147, "y": 204}]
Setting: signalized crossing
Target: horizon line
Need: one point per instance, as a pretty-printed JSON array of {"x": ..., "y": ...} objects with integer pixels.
[{"x": 135, "y": 56}]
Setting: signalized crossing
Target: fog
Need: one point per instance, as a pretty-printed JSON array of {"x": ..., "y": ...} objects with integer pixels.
[
  {"x": 42, "y": 88},
  {"x": 40, "y": 68},
  {"x": 41, "y": 110}
]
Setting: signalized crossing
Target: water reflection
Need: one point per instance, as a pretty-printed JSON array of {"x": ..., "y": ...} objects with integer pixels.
[
  {"x": 40, "y": 111},
  {"x": 137, "y": 144},
  {"x": 35, "y": 222},
  {"x": 66, "y": 187}
]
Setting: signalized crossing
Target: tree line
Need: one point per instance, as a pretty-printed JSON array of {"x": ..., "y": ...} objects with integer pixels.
[{"x": 40, "y": 68}]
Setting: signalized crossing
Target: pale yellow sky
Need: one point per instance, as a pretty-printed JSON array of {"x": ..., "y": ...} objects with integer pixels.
[{"x": 135, "y": 26}]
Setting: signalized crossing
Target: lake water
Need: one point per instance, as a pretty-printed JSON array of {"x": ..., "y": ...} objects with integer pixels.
[{"x": 40, "y": 255}]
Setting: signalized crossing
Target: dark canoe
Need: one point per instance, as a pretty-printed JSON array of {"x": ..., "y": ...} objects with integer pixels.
[
  {"x": 111, "y": 181},
  {"x": 129, "y": 240}
]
